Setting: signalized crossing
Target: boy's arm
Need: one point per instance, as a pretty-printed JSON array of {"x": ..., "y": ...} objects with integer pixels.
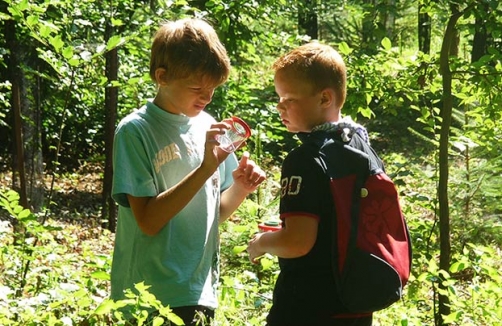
[
  {"x": 152, "y": 213},
  {"x": 247, "y": 177},
  {"x": 294, "y": 240}
]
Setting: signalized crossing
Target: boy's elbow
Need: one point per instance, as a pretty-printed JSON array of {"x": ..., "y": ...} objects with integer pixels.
[
  {"x": 300, "y": 249},
  {"x": 147, "y": 228}
]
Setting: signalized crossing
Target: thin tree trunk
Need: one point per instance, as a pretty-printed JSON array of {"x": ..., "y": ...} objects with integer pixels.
[
  {"x": 388, "y": 18},
  {"x": 455, "y": 36},
  {"x": 109, "y": 209},
  {"x": 480, "y": 40},
  {"x": 307, "y": 19},
  {"x": 31, "y": 109},
  {"x": 424, "y": 30},
  {"x": 15, "y": 73},
  {"x": 449, "y": 39}
]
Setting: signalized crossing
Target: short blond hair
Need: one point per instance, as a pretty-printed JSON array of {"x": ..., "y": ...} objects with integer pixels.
[
  {"x": 318, "y": 64},
  {"x": 189, "y": 47}
]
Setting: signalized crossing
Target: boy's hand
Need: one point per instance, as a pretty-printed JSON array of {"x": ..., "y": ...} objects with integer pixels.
[
  {"x": 252, "y": 248},
  {"x": 213, "y": 155},
  {"x": 248, "y": 175}
]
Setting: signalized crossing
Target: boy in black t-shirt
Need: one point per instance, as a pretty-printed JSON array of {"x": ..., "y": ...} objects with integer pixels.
[{"x": 311, "y": 84}]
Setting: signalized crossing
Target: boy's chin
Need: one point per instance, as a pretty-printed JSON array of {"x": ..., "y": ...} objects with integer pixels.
[{"x": 193, "y": 114}]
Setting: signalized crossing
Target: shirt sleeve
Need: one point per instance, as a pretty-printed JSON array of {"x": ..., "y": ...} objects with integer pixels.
[
  {"x": 303, "y": 185},
  {"x": 132, "y": 172}
]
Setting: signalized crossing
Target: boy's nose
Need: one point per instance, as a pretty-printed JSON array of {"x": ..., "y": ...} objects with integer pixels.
[{"x": 207, "y": 96}]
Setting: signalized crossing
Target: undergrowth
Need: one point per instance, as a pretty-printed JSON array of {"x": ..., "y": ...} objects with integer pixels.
[{"x": 57, "y": 273}]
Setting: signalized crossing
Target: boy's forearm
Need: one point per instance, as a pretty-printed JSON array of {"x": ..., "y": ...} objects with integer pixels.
[
  {"x": 280, "y": 244},
  {"x": 230, "y": 201},
  {"x": 155, "y": 212}
]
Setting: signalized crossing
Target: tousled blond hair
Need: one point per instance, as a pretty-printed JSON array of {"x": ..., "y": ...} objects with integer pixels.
[
  {"x": 189, "y": 47},
  {"x": 318, "y": 64}
]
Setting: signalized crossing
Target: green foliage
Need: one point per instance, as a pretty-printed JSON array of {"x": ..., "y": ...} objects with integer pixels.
[
  {"x": 52, "y": 274},
  {"x": 67, "y": 280},
  {"x": 52, "y": 277}
]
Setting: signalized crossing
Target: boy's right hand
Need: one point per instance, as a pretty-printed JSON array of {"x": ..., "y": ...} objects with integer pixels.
[
  {"x": 213, "y": 154},
  {"x": 253, "y": 248}
]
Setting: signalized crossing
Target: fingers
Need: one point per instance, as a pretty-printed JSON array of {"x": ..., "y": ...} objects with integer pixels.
[
  {"x": 216, "y": 129},
  {"x": 251, "y": 172},
  {"x": 252, "y": 249},
  {"x": 244, "y": 160}
]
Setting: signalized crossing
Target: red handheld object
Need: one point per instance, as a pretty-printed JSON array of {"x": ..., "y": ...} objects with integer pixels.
[{"x": 270, "y": 226}]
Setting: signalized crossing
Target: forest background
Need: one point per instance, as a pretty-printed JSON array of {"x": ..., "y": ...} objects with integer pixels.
[{"x": 423, "y": 76}]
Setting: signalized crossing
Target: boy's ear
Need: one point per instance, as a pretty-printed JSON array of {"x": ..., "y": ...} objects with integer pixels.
[
  {"x": 160, "y": 76},
  {"x": 327, "y": 97}
]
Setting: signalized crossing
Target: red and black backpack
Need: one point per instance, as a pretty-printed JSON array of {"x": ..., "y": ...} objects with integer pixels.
[{"x": 372, "y": 249}]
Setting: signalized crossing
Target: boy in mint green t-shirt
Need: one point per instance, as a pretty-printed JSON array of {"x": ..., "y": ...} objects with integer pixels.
[{"x": 172, "y": 182}]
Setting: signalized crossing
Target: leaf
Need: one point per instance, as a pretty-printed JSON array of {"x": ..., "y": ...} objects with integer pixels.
[
  {"x": 67, "y": 52},
  {"x": 386, "y": 43},
  {"x": 114, "y": 41},
  {"x": 4, "y": 16},
  {"x": 457, "y": 267},
  {"x": 74, "y": 62},
  {"x": 23, "y": 5},
  {"x": 158, "y": 321},
  {"x": 56, "y": 42},
  {"x": 31, "y": 20},
  {"x": 344, "y": 48},
  {"x": 453, "y": 317},
  {"x": 44, "y": 31},
  {"x": 175, "y": 319},
  {"x": 117, "y": 22},
  {"x": 24, "y": 214},
  {"x": 105, "y": 307},
  {"x": 266, "y": 263},
  {"x": 238, "y": 249},
  {"x": 101, "y": 275}
]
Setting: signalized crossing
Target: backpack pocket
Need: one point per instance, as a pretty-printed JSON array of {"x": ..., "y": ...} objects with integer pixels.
[{"x": 368, "y": 283}]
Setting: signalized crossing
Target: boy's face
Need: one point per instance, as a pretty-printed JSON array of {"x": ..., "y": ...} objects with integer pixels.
[
  {"x": 186, "y": 96},
  {"x": 299, "y": 106}
]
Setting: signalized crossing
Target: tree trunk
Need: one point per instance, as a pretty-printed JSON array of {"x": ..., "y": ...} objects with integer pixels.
[
  {"x": 307, "y": 19},
  {"x": 455, "y": 36},
  {"x": 109, "y": 209},
  {"x": 371, "y": 34},
  {"x": 19, "y": 173},
  {"x": 28, "y": 171},
  {"x": 388, "y": 18},
  {"x": 32, "y": 132},
  {"x": 424, "y": 30},
  {"x": 480, "y": 41},
  {"x": 447, "y": 49}
]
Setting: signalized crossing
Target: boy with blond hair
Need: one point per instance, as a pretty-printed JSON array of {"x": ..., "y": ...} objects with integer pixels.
[{"x": 173, "y": 183}]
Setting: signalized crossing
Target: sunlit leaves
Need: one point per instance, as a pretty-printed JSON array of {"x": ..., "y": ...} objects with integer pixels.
[
  {"x": 114, "y": 41},
  {"x": 344, "y": 48},
  {"x": 386, "y": 43}
]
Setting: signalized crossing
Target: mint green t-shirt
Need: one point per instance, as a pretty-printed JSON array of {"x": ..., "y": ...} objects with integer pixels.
[{"x": 153, "y": 151}]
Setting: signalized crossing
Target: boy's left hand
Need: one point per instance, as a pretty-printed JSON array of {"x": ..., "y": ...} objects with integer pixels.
[{"x": 248, "y": 175}]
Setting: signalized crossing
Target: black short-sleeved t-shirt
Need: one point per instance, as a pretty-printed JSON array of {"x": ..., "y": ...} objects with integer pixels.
[
  {"x": 305, "y": 291},
  {"x": 305, "y": 286}
]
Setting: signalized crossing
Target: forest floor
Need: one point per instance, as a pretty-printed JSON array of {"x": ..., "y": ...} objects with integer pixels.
[{"x": 73, "y": 206}]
